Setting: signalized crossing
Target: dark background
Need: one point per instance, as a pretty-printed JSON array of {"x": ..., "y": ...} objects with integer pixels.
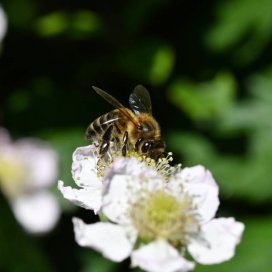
[{"x": 207, "y": 65}]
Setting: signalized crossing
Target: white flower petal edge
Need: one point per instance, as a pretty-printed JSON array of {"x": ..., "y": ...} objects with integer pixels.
[
  {"x": 107, "y": 238},
  {"x": 88, "y": 198},
  {"x": 4, "y": 135},
  {"x": 199, "y": 183},
  {"x": 84, "y": 172},
  {"x": 3, "y": 24},
  {"x": 221, "y": 237},
  {"x": 198, "y": 174},
  {"x": 84, "y": 166},
  {"x": 160, "y": 256},
  {"x": 37, "y": 212}
]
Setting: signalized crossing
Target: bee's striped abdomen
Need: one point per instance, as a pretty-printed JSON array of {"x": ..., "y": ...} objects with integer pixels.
[{"x": 98, "y": 127}]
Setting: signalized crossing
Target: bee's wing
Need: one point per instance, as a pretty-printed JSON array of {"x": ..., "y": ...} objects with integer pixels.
[
  {"x": 114, "y": 102},
  {"x": 140, "y": 101}
]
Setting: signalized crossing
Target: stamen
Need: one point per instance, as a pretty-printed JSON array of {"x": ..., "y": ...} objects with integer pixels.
[{"x": 162, "y": 165}]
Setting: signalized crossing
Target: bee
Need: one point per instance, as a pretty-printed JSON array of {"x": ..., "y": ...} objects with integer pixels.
[{"x": 135, "y": 127}]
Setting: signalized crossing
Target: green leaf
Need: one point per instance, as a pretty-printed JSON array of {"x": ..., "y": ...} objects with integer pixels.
[
  {"x": 81, "y": 23},
  {"x": 53, "y": 24},
  {"x": 94, "y": 262},
  {"x": 162, "y": 65},
  {"x": 204, "y": 100},
  {"x": 244, "y": 26},
  {"x": 148, "y": 61}
]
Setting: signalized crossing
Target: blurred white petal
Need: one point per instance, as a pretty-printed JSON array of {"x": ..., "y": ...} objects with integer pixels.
[
  {"x": 35, "y": 159},
  {"x": 107, "y": 238},
  {"x": 160, "y": 256},
  {"x": 4, "y": 136},
  {"x": 3, "y": 24},
  {"x": 88, "y": 198},
  {"x": 37, "y": 212},
  {"x": 40, "y": 162},
  {"x": 220, "y": 239}
]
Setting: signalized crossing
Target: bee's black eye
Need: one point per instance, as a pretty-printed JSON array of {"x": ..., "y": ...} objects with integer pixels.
[{"x": 145, "y": 147}]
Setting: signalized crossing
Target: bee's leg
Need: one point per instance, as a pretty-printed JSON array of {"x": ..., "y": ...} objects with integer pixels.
[
  {"x": 136, "y": 146},
  {"x": 125, "y": 141},
  {"x": 105, "y": 141},
  {"x": 116, "y": 138}
]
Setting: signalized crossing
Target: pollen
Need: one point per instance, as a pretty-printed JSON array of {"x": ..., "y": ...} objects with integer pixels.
[
  {"x": 162, "y": 165},
  {"x": 161, "y": 215}
]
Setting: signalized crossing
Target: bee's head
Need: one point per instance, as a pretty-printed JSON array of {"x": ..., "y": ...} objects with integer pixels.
[{"x": 153, "y": 148}]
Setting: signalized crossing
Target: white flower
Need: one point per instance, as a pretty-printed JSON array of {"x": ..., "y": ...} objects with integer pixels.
[
  {"x": 157, "y": 221},
  {"x": 28, "y": 167},
  {"x": 85, "y": 175}
]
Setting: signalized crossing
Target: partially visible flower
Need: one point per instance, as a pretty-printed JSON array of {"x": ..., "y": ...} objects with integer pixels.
[
  {"x": 28, "y": 167},
  {"x": 158, "y": 219},
  {"x": 85, "y": 175},
  {"x": 88, "y": 171},
  {"x": 3, "y": 24}
]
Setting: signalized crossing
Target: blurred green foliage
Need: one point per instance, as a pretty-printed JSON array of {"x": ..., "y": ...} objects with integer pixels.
[
  {"x": 208, "y": 68},
  {"x": 78, "y": 24},
  {"x": 243, "y": 28},
  {"x": 203, "y": 101}
]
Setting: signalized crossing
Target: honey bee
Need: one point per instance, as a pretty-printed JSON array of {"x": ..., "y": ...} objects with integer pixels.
[{"x": 135, "y": 127}]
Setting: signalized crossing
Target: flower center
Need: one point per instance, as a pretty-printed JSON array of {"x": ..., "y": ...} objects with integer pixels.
[
  {"x": 11, "y": 177},
  {"x": 161, "y": 215}
]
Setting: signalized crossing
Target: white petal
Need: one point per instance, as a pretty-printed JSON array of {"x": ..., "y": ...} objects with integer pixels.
[
  {"x": 107, "y": 238},
  {"x": 84, "y": 166},
  {"x": 116, "y": 200},
  {"x": 221, "y": 237},
  {"x": 88, "y": 198},
  {"x": 124, "y": 183},
  {"x": 3, "y": 24},
  {"x": 132, "y": 167},
  {"x": 40, "y": 162},
  {"x": 35, "y": 163},
  {"x": 198, "y": 174},
  {"x": 120, "y": 187},
  {"x": 122, "y": 192},
  {"x": 199, "y": 183},
  {"x": 38, "y": 212},
  {"x": 160, "y": 256}
]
